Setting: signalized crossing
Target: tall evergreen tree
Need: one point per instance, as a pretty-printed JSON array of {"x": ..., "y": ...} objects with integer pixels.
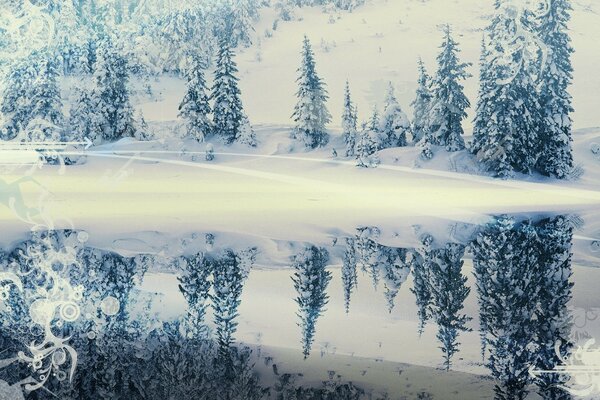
[
  {"x": 394, "y": 125},
  {"x": 447, "y": 286},
  {"x": 83, "y": 121},
  {"x": 449, "y": 102},
  {"x": 349, "y": 121},
  {"x": 195, "y": 285},
  {"x": 395, "y": 271},
  {"x": 421, "y": 104},
  {"x": 45, "y": 105},
  {"x": 245, "y": 12},
  {"x": 228, "y": 282},
  {"x": 366, "y": 147},
  {"x": 505, "y": 136},
  {"x": 310, "y": 114},
  {"x": 556, "y": 158},
  {"x": 349, "y": 275},
  {"x": 554, "y": 319},
  {"x": 420, "y": 272},
  {"x": 18, "y": 83},
  {"x": 111, "y": 92},
  {"x": 194, "y": 107},
  {"x": 374, "y": 121},
  {"x": 506, "y": 264},
  {"x": 227, "y": 109},
  {"x": 310, "y": 281},
  {"x": 31, "y": 103}
]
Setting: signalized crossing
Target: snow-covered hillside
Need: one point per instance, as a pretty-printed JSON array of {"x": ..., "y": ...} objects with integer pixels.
[{"x": 381, "y": 42}]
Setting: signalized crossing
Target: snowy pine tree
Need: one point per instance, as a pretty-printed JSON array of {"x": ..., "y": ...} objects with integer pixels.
[
  {"x": 366, "y": 147},
  {"x": 195, "y": 285},
  {"x": 31, "y": 103},
  {"x": 449, "y": 102},
  {"x": 374, "y": 121},
  {"x": 395, "y": 270},
  {"x": 420, "y": 272},
  {"x": 448, "y": 290},
  {"x": 194, "y": 107},
  {"x": 245, "y": 13},
  {"x": 554, "y": 319},
  {"x": 349, "y": 275},
  {"x": 394, "y": 126},
  {"x": 349, "y": 121},
  {"x": 111, "y": 76},
  {"x": 505, "y": 136},
  {"x": 310, "y": 114},
  {"x": 45, "y": 105},
  {"x": 227, "y": 109},
  {"x": 310, "y": 282},
  {"x": 421, "y": 104},
  {"x": 506, "y": 263},
  {"x": 556, "y": 158},
  {"x": 228, "y": 282},
  {"x": 83, "y": 121},
  {"x": 246, "y": 135}
]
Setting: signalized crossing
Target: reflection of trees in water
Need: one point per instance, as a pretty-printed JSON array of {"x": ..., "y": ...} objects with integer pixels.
[
  {"x": 446, "y": 292},
  {"x": 382, "y": 263},
  {"x": 438, "y": 283},
  {"x": 310, "y": 282},
  {"x": 523, "y": 270}
]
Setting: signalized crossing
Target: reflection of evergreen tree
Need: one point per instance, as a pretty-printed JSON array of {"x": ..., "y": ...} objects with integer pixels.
[
  {"x": 367, "y": 251},
  {"x": 505, "y": 258},
  {"x": 310, "y": 281},
  {"x": 395, "y": 270},
  {"x": 554, "y": 319},
  {"x": 227, "y": 285},
  {"x": 420, "y": 271},
  {"x": 447, "y": 286},
  {"x": 349, "y": 275},
  {"x": 194, "y": 284}
]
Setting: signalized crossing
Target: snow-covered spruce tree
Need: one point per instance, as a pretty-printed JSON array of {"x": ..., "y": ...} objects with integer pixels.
[
  {"x": 365, "y": 148},
  {"x": 310, "y": 282},
  {"x": 194, "y": 107},
  {"x": 394, "y": 126},
  {"x": 45, "y": 115},
  {"x": 449, "y": 102},
  {"x": 142, "y": 130},
  {"x": 506, "y": 265},
  {"x": 228, "y": 282},
  {"x": 310, "y": 114},
  {"x": 84, "y": 122},
  {"x": 421, "y": 104},
  {"x": 374, "y": 121},
  {"x": 31, "y": 103},
  {"x": 194, "y": 285},
  {"x": 349, "y": 275},
  {"x": 227, "y": 109},
  {"x": 554, "y": 319},
  {"x": 14, "y": 106},
  {"x": 111, "y": 77},
  {"x": 420, "y": 288},
  {"x": 556, "y": 158},
  {"x": 447, "y": 286},
  {"x": 246, "y": 135},
  {"x": 178, "y": 33},
  {"x": 349, "y": 121},
  {"x": 245, "y": 13},
  {"x": 505, "y": 136}
]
